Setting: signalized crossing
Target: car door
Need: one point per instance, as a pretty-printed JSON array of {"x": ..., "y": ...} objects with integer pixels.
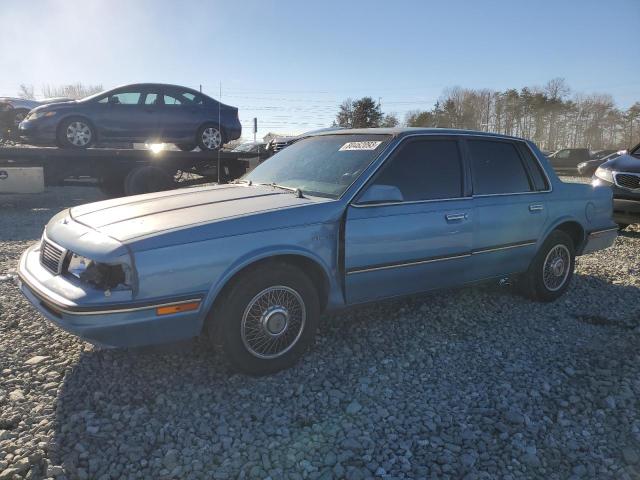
[
  {"x": 120, "y": 115},
  {"x": 182, "y": 114},
  {"x": 510, "y": 205},
  {"x": 151, "y": 106},
  {"x": 420, "y": 241}
]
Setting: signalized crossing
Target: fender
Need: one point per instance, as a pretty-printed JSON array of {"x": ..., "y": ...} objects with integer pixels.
[
  {"x": 555, "y": 224},
  {"x": 262, "y": 254}
]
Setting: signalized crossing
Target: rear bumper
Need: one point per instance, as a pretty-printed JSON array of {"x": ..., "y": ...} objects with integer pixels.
[
  {"x": 599, "y": 240},
  {"x": 626, "y": 210}
]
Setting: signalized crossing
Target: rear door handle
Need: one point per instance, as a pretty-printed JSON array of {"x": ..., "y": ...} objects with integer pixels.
[
  {"x": 536, "y": 207},
  {"x": 454, "y": 217}
]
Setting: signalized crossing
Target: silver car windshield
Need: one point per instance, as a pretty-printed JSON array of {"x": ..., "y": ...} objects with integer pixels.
[{"x": 325, "y": 165}]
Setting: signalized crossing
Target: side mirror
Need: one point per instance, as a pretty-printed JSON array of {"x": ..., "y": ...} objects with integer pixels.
[
  {"x": 381, "y": 194},
  {"x": 113, "y": 100}
]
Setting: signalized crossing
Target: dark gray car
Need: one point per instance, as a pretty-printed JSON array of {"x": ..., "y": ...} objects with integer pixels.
[
  {"x": 145, "y": 112},
  {"x": 622, "y": 174}
]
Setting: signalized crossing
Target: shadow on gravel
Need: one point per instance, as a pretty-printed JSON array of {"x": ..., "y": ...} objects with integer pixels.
[{"x": 402, "y": 357}]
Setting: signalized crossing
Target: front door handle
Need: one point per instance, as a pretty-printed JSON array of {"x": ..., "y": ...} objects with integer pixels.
[
  {"x": 536, "y": 207},
  {"x": 454, "y": 217}
]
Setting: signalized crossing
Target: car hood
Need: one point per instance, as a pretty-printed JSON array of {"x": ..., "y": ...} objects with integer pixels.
[
  {"x": 132, "y": 218},
  {"x": 55, "y": 105},
  {"x": 623, "y": 163}
]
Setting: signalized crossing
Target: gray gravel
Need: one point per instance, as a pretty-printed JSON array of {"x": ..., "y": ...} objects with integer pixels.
[{"x": 472, "y": 383}]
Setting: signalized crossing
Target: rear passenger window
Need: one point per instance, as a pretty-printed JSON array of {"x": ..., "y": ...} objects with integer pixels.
[
  {"x": 425, "y": 170},
  {"x": 497, "y": 168},
  {"x": 537, "y": 175}
]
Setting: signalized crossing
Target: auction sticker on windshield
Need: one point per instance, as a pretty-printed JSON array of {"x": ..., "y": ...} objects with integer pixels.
[{"x": 371, "y": 145}]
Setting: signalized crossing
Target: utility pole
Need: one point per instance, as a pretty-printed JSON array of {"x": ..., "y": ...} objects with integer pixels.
[{"x": 255, "y": 128}]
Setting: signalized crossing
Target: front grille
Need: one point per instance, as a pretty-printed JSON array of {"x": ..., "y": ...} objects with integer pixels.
[
  {"x": 51, "y": 256},
  {"x": 628, "y": 180}
]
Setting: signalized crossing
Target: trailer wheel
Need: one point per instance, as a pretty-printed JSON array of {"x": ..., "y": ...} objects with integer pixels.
[
  {"x": 147, "y": 179},
  {"x": 112, "y": 186},
  {"x": 186, "y": 147}
]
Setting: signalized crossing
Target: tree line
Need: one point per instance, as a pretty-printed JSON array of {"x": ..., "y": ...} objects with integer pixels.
[
  {"x": 74, "y": 91},
  {"x": 550, "y": 116}
]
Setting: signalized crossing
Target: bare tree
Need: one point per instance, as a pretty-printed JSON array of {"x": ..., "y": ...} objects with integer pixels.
[
  {"x": 75, "y": 90},
  {"x": 26, "y": 92},
  {"x": 548, "y": 115}
]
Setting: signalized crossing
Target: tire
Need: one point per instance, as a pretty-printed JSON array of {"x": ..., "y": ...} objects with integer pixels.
[
  {"x": 147, "y": 179},
  {"x": 210, "y": 137},
  {"x": 112, "y": 186},
  {"x": 243, "y": 320},
  {"x": 556, "y": 260},
  {"x": 76, "y": 132},
  {"x": 186, "y": 147}
]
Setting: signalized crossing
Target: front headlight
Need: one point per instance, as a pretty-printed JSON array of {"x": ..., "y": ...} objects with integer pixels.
[
  {"x": 99, "y": 275},
  {"x": 36, "y": 115},
  {"x": 604, "y": 174}
]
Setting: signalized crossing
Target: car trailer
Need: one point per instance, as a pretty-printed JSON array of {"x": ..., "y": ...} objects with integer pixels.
[{"x": 117, "y": 172}]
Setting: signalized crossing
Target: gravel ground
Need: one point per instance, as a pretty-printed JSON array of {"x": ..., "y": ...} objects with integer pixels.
[{"x": 472, "y": 383}]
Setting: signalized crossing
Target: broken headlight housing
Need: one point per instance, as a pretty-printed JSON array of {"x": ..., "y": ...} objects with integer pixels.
[{"x": 99, "y": 275}]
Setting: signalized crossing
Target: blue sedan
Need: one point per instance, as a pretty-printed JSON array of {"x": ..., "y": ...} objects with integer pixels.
[
  {"x": 336, "y": 219},
  {"x": 143, "y": 112}
]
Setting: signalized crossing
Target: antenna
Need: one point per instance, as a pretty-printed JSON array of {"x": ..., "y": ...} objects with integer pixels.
[{"x": 219, "y": 129}]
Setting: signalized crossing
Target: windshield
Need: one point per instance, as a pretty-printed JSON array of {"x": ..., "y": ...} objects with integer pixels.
[{"x": 325, "y": 165}]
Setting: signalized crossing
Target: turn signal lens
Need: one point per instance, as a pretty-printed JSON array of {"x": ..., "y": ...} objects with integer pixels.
[{"x": 177, "y": 308}]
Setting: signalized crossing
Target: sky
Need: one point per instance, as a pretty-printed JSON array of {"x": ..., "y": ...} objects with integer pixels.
[{"x": 291, "y": 63}]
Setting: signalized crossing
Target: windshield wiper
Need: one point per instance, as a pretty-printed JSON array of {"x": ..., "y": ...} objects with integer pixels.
[{"x": 297, "y": 191}]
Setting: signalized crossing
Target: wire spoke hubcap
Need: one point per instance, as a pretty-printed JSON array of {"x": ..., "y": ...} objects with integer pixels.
[
  {"x": 555, "y": 269},
  {"x": 211, "y": 138},
  {"x": 78, "y": 134},
  {"x": 273, "y": 322}
]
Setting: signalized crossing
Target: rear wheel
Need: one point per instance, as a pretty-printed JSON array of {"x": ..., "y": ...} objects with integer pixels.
[
  {"x": 267, "y": 319},
  {"x": 147, "y": 179},
  {"x": 551, "y": 271},
  {"x": 76, "y": 132},
  {"x": 210, "y": 137}
]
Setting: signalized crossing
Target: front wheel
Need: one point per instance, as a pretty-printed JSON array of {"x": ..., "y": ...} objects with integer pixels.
[
  {"x": 76, "y": 133},
  {"x": 267, "y": 319},
  {"x": 210, "y": 137},
  {"x": 552, "y": 268}
]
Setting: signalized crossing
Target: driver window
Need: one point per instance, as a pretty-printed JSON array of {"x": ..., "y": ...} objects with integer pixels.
[
  {"x": 425, "y": 170},
  {"x": 122, "y": 98}
]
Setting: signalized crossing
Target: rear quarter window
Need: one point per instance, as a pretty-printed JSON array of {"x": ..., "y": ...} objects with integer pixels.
[
  {"x": 497, "y": 168},
  {"x": 538, "y": 176}
]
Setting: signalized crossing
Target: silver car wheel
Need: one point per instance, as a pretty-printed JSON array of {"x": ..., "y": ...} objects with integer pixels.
[
  {"x": 555, "y": 268},
  {"x": 211, "y": 138},
  {"x": 273, "y": 322},
  {"x": 78, "y": 134}
]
